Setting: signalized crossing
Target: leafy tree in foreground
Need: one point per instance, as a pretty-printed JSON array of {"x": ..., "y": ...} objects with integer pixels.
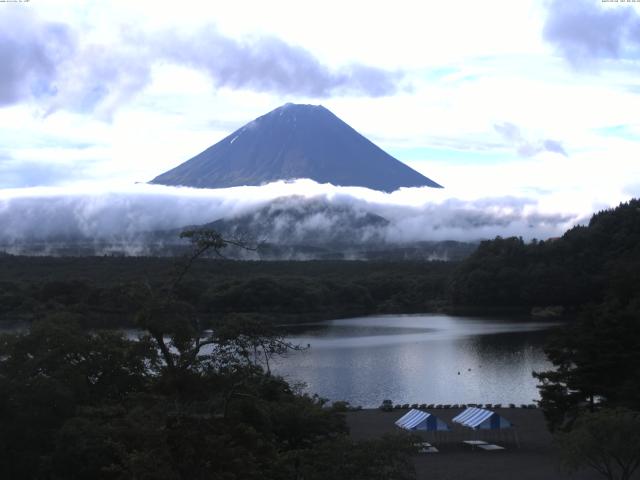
[
  {"x": 607, "y": 441},
  {"x": 179, "y": 403},
  {"x": 597, "y": 363},
  {"x": 179, "y": 332},
  {"x": 49, "y": 374},
  {"x": 344, "y": 459}
]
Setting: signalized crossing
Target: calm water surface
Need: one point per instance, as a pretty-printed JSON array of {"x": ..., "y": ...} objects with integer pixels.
[
  {"x": 419, "y": 359},
  {"x": 415, "y": 359}
]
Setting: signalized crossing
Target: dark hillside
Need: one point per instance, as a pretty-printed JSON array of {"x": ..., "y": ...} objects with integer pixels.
[{"x": 586, "y": 265}]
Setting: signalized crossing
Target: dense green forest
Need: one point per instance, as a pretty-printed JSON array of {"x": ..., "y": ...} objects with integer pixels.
[
  {"x": 586, "y": 265},
  {"x": 179, "y": 402},
  {"x": 102, "y": 289},
  {"x": 594, "y": 271},
  {"x": 187, "y": 402}
]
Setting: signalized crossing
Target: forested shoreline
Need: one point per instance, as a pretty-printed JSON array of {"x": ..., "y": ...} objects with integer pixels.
[
  {"x": 591, "y": 396},
  {"x": 101, "y": 288},
  {"x": 82, "y": 401},
  {"x": 587, "y": 265}
]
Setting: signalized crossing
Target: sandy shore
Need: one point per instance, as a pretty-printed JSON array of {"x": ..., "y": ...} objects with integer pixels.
[{"x": 533, "y": 459}]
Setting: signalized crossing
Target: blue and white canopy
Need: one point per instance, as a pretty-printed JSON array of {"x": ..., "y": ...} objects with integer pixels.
[
  {"x": 419, "y": 420},
  {"x": 479, "y": 418}
]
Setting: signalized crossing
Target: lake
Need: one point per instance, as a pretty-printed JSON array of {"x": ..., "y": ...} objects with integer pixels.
[{"x": 419, "y": 359}]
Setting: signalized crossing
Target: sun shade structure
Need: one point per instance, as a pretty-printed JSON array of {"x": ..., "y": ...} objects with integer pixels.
[
  {"x": 481, "y": 419},
  {"x": 419, "y": 420}
]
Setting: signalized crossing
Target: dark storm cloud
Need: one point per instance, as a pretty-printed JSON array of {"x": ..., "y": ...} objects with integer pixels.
[
  {"x": 526, "y": 147},
  {"x": 50, "y": 62},
  {"x": 584, "y": 30}
]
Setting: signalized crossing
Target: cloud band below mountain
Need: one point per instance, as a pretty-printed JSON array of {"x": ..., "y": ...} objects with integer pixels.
[{"x": 49, "y": 214}]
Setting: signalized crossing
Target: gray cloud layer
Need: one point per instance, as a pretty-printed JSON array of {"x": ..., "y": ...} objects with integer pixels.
[
  {"x": 584, "y": 31},
  {"x": 525, "y": 147},
  {"x": 30, "y": 52},
  {"x": 123, "y": 215},
  {"x": 50, "y": 62},
  {"x": 269, "y": 64}
]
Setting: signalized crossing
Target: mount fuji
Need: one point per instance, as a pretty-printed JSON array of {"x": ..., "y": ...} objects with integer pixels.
[{"x": 290, "y": 142}]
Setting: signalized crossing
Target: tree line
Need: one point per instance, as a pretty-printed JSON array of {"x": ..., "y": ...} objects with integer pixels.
[
  {"x": 101, "y": 288},
  {"x": 72, "y": 387},
  {"x": 182, "y": 401},
  {"x": 591, "y": 398}
]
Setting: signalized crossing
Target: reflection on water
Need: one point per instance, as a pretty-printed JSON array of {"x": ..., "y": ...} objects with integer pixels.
[
  {"x": 419, "y": 359},
  {"x": 414, "y": 359}
]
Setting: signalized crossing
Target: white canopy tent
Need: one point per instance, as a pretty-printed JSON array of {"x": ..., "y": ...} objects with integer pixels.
[
  {"x": 419, "y": 420},
  {"x": 481, "y": 419},
  {"x": 493, "y": 425}
]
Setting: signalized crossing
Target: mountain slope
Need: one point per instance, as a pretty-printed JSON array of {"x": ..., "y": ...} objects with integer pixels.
[
  {"x": 295, "y": 141},
  {"x": 586, "y": 265},
  {"x": 290, "y": 221}
]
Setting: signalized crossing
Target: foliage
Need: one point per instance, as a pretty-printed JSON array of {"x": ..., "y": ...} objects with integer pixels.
[
  {"x": 586, "y": 265},
  {"x": 597, "y": 362},
  {"x": 180, "y": 402},
  {"x": 607, "y": 441},
  {"x": 592, "y": 270},
  {"x": 344, "y": 459},
  {"x": 47, "y": 375},
  {"x": 81, "y": 405},
  {"x": 100, "y": 289}
]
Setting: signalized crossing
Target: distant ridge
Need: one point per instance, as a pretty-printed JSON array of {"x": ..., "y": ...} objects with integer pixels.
[{"x": 295, "y": 141}]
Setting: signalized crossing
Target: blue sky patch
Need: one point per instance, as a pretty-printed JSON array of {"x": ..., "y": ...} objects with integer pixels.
[
  {"x": 618, "y": 131},
  {"x": 451, "y": 155}
]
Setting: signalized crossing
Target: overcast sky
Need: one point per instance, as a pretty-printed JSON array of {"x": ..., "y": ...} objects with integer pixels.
[{"x": 526, "y": 99}]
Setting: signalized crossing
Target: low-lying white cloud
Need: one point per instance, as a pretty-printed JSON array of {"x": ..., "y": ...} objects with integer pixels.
[{"x": 414, "y": 214}]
